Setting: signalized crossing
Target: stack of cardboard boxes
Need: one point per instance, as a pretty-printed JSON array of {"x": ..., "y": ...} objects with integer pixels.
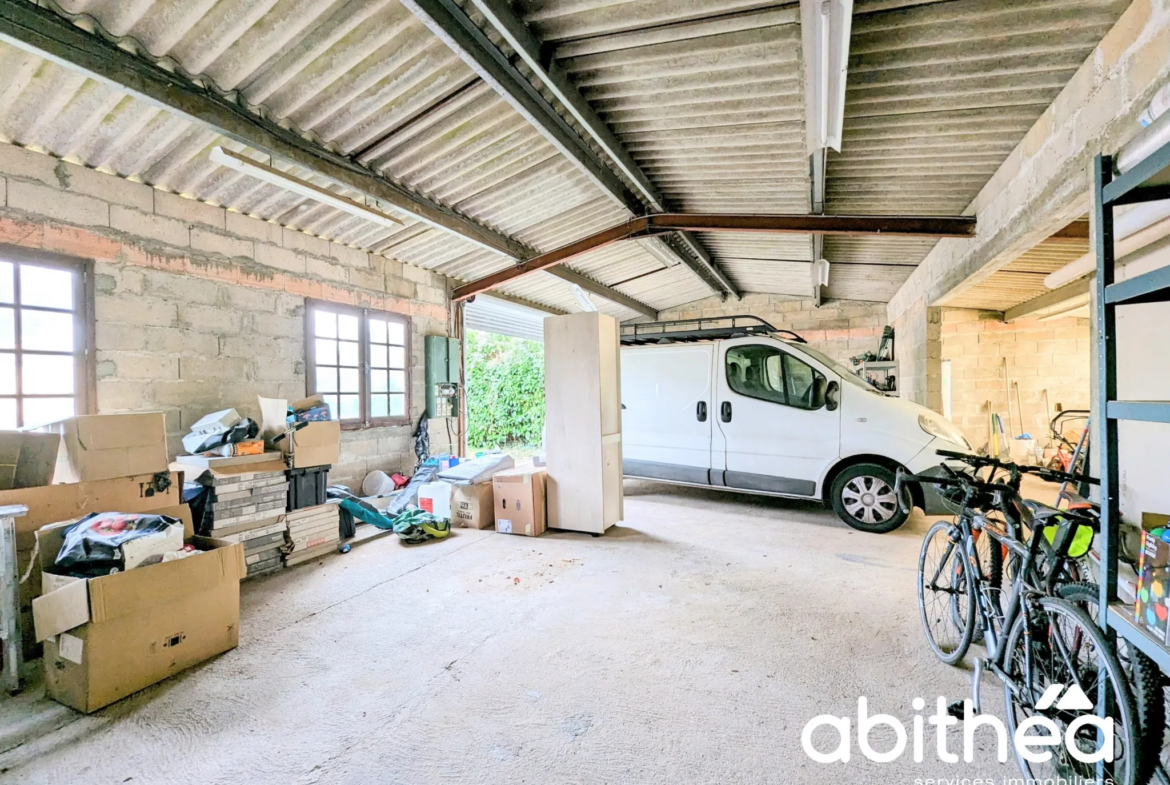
[
  {"x": 512, "y": 501},
  {"x": 246, "y": 504},
  {"x": 107, "y": 637},
  {"x": 312, "y": 532}
]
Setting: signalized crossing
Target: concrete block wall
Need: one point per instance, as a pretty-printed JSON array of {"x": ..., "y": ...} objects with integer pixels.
[
  {"x": 199, "y": 308},
  {"x": 839, "y": 328},
  {"x": 1052, "y": 356},
  {"x": 916, "y": 336}
]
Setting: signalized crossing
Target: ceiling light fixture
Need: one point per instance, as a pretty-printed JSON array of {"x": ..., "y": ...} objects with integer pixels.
[
  {"x": 301, "y": 187},
  {"x": 825, "y": 27}
]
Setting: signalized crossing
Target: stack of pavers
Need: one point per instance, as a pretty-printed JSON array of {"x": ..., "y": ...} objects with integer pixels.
[
  {"x": 312, "y": 532},
  {"x": 249, "y": 508}
]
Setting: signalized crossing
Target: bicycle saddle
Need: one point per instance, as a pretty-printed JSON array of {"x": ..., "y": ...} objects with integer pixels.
[{"x": 1038, "y": 511}]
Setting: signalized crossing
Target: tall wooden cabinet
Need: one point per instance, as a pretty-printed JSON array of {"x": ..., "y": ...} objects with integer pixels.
[{"x": 583, "y": 422}]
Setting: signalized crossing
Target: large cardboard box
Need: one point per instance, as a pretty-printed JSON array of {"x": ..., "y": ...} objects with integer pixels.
[
  {"x": 519, "y": 500},
  {"x": 316, "y": 444},
  {"x": 108, "y": 637},
  {"x": 27, "y": 459},
  {"x": 473, "y": 506},
  {"x": 105, "y": 446}
]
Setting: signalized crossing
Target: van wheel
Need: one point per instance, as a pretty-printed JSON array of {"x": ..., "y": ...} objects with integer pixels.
[{"x": 863, "y": 497}]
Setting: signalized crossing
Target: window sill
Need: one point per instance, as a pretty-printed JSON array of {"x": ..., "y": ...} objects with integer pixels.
[{"x": 387, "y": 422}]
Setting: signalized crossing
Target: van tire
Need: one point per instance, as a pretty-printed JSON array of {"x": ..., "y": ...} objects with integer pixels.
[{"x": 850, "y": 494}]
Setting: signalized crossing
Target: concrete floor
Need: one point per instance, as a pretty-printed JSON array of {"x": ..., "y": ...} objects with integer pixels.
[{"x": 692, "y": 644}]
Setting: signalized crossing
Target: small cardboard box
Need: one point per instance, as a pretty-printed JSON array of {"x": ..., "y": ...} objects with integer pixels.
[
  {"x": 108, "y": 637},
  {"x": 316, "y": 444},
  {"x": 472, "y": 506},
  {"x": 105, "y": 446},
  {"x": 1152, "y": 608},
  {"x": 519, "y": 500},
  {"x": 27, "y": 459}
]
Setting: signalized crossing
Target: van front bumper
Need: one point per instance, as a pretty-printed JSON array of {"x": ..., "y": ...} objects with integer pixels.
[{"x": 928, "y": 462}]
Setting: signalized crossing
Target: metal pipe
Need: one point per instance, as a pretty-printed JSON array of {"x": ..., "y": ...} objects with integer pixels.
[
  {"x": 1152, "y": 137},
  {"x": 1140, "y": 226}
]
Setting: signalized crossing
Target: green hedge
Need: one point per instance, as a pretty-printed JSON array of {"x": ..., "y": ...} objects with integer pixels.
[{"x": 505, "y": 390}]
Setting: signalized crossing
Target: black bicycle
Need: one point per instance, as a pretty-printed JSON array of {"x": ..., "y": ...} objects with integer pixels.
[{"x": 1035, "y": 640}]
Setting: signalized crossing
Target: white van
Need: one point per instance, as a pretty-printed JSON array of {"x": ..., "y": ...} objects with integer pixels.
[{"x": 735, "y": 404}]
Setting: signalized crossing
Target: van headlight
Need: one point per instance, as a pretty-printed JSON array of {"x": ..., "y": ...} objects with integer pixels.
[{"x": 943, "y": 429}]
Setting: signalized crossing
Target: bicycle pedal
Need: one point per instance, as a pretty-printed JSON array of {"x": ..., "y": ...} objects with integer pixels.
[{"x": 955, "y": 709}]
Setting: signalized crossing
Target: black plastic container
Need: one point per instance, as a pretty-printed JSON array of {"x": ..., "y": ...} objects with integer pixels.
[{"x": 306, "y": 487}]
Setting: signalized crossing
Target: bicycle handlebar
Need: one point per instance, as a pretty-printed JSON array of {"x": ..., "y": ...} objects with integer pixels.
[{"x": 1051, "y": 475}]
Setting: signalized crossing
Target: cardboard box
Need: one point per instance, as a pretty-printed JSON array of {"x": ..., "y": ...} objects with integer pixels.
[
  {"x": 105, "y": 446},
  {"x": 473, "y": 506},
  {"x": 27, "y": 459},
  {"x": 108, "y": 637},
  {"x": 1152, "y": 607},
  {"x": 316, "y": 444},
  {"x": 519, "y": 501}
]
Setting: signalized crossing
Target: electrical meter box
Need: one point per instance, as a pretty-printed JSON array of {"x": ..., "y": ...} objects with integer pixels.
[{"x": 443, "y": 360}]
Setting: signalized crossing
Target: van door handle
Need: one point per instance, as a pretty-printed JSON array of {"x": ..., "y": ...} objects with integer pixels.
[
  {"x": 725, "y": 411},
  {"x": 701, "y": 411}
]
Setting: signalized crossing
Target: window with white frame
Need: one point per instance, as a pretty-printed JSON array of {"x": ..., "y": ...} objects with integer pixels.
[
  {"x": 358, "y": 361},
  {"x": 46, "y": 320}
]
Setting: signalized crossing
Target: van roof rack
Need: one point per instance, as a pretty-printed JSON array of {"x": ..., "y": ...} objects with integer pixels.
[{"x": 707, "y": 329}]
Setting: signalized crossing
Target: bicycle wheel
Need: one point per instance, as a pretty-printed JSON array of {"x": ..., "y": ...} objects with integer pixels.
[
  {"x": 1145, "y": 682},
  {"x": 946, "y": 591},
  {"x": 1065, "y": 647}
]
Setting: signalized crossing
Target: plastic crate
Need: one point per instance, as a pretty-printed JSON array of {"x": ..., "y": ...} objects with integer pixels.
[{"x": 306, "y": 487}]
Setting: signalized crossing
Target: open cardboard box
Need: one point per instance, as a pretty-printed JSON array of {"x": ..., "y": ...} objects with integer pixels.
[
  {"x": 108, "y": 637},
  {"x": 318, "y": 443},
  {"x": 106, "y": 446}
]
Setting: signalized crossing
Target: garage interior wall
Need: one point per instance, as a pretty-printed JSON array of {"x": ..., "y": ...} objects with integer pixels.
[
  {"x": 199, "y": 308},
  {"x": 1051, "y": 355},
  {"x": 839, "y": 328}
]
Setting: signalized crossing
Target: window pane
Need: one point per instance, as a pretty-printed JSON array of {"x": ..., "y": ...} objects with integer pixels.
[
  {"x": 38, "y": 411},
  {"x": 397, "y": 405},
  {"x": 8, "y": 413},
  {"x": 326, "y": 380},
  {"x": 347, "y": 327},
  {"x": 350, "y": 409},
  {"x": 348, "y": 353},
  {"x": 6, "y": 290},
  {"x": 377, "y": 381},
  {"x": 7, "y": 374},
  {"x": 331, "y": 402},
  {"x": 378, "y": 406},
  {"x": 45, "y": 330},
  {"x": 46, "y": 286},
  {"x": 325, "y": 324},
  {"x": 397, "y": 357},
  {"x": 396, "y": 333},
  {"x": 397, "y": 381},
  {"x": 349, "y": 381},
  {"x": 326, "y": 352},
  {"x": 377, "y": 356},
  {"x": 799, "y": 379},
  {"x": 752, "y": 370},
  {"x": 43, "y": 374},
  {"x": 377, "y": 331},
  {"x": 7, "y": 328}
]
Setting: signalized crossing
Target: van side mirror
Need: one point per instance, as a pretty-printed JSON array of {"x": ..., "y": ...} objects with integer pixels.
[
  {"x": 819, "y": 388},
  {"x": 833, "y": 396}
]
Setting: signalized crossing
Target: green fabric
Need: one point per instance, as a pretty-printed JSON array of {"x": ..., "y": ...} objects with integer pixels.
[
  {"x": 1082, "y": 539},
  {"x": 415, "y": 526}
]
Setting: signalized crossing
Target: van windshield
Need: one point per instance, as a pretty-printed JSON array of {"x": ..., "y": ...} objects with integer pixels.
[{"x": 842, "y": 371}]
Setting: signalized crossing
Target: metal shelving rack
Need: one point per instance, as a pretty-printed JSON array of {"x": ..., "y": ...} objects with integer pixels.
[{"x": 1145, "y": 182}]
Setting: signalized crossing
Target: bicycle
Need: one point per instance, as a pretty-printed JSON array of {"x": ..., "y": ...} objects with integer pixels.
[{"x": 1035, "y": 641}]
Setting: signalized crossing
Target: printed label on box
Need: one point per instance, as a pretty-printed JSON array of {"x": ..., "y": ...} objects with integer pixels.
[
  {"x": 70, "y": 647},
  {"x": 504, "y": 525}
]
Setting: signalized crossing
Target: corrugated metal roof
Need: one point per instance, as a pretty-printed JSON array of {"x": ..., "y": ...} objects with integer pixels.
[
  {"x": 1022, "y": 279},
  {"x": 706, "y": 97},
  {"x": 492, "y": 315}
]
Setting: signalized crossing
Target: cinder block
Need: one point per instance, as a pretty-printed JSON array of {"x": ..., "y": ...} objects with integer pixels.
[
  {"x": 181, "y": 288},
  {"x": 416, "y": 274},
  {"x": 52, "y": 203},
  {"x": 253, "y": 228},
  {"x": 350, "y": 257},
  {"x": 248, "y": 299},
  {"x": 150, "y": 226},
  {"x": 209, "y": 318},
  {"x": 192, "y": 211},
  {"x": 326, "y": 269},
  {"x": 3, "y": 191},
  {"x": 278, "y": 326},
  {"x": 16, "y": 161},
  {"x": 139, "y": 365},
  {"x": 369, "y": 278},
  {"x": 306, "y": 243},
  {"x": 430, "y": 294},
  {"x": 400, "y": 287},
  {"x": 107, "y": 187},
  {"x": 215, "y": 368},
  {"x": 221, "y": 244},
  {"x": 123, "y": 395},
  {"x": 280, "y": 258},
  {"x": 133, "y": 309}
]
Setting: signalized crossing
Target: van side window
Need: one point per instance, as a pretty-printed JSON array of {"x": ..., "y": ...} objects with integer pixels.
[{"x": 766, "y": 373}]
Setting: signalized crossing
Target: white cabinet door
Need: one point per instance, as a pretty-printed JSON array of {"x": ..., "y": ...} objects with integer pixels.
[
  {"x": 777, "y": 437},
  {"x": 666, "y": 423}
]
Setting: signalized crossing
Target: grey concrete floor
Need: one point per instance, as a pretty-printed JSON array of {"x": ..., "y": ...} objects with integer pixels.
[{"x": 691, "y": 644}]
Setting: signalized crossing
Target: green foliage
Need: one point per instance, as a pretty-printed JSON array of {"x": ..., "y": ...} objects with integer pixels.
[{"x": 505, "y": 390}]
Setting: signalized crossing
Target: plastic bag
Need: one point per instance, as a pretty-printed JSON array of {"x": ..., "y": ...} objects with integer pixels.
[
  {"x": 106, "y": 542},
  {"x": 242, "y": 431}
]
